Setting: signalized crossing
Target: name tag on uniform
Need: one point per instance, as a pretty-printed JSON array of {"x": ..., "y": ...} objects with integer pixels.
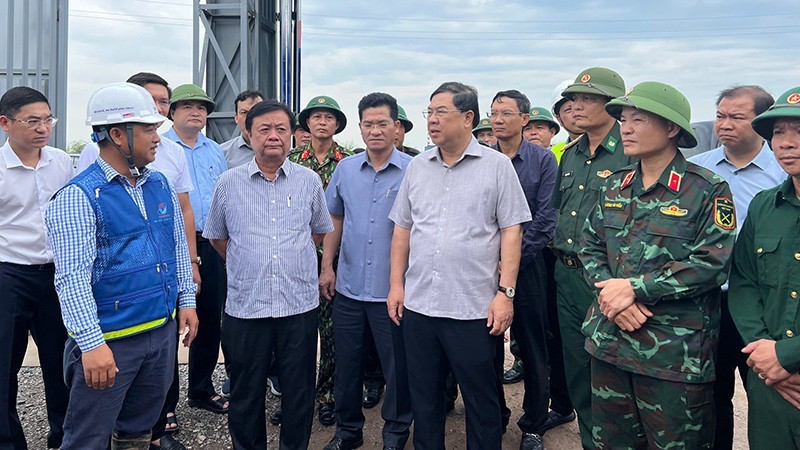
[{"x": 613, "y": 205}]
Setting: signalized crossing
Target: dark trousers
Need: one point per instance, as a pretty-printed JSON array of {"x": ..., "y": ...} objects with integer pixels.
[
  {"x": 171, "y": 402},
  {"x": 29, "y": 303},
  {"x": 351, "y": 320},
  {"x": 204, "y": 352},
  {"x": 373, "y": 374},
  {"x": 249, "y": 345},
  {"x": 559, "y": 393},
  {"x": 729, "y": 359},
  {"x": 431, "y": 343},
  {"x": 130, "y": 407},
  {"x": 499, "y": 361},
  {"x": 530, "y": 329}
]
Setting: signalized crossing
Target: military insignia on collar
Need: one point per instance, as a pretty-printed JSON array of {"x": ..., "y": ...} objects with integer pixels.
[
  {"x": 586, "y": 78},
  {"x": 673, "y": 211},
  {"x": 604, "y": 173},
  {"x": 794, "y": 98},
  {"x": 724, "y": 213},
  {"x": 675, "y": 181},
  {"x": 612, "y": 143},
  {"x": 566, "y": 174},
  {"x": 627, "y": 180}
]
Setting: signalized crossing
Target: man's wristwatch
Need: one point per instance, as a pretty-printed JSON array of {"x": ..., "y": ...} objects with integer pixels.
[
  {"x": 197, "y": 261},
  {"x": 509, "y": 291}
]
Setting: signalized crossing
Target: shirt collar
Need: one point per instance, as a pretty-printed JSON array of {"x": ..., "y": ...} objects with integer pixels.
[
  {"x": 111, "y": 173},
  {"x": 12, "y": 160},
  {"x": 473, "y": 149},
  {"x": 173, "y": 135},
  {"x": 609, "y": 143},
  {"x": 394, "y": 159},
  {"x": 671, "y": 178},
  {"x": 240, "y": 142},
  {"x": 764, "y": 157},
  {"x": 786, "y": 192},
  {"x": 285, "y": 168}
]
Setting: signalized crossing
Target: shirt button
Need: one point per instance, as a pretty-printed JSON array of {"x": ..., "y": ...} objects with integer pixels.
[
  {"x": 444, "y": 209},
  {"x": 588, "y": 161},
  {"x": 437, "y": 252},
  {"x": 273, "y": 202},
  {"x": 369, "y": 263},
  {"x": 374, "y": 199},
  {"x": 273, "y": 219},
  {"x": 372, "y": 220},
  {"x": 797, "y": 256},
  {"x": 274, "y": 237},
  {"x": 794, "y": 294},
  {"x": 760, "y": 250},
  {"x": 369, "y": 241},
  {"x": 569, "y": 241},
  {"x": 376, "y": 179},
  {"x": 573, "y": 213},
  {"x": 274, "y": 256},
  {"x": 789, "y": 333},
  {"x": 447, "y": 189}
]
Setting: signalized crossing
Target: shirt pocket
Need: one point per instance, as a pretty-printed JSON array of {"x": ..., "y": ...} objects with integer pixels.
[
  {"x": 767, "y": 259},
  {"x": 670, "y": 239}
]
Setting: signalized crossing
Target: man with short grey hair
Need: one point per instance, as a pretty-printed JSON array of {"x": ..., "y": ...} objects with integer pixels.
[{"x": 457, "y": 215}]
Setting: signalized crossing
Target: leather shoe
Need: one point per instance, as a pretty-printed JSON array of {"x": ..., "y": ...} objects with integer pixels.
[
  {"x": 531, "y": 441},
  {"x": 338, "y": 443},
  {"x": 327, "y": 415},
  {"x": 276, "y": 417},
  {"x": 372, "y": 396},
  {"x": 167, "y": 442},
  {"x": 512, "y": 376},
  {"x": 555, "y": 419}
]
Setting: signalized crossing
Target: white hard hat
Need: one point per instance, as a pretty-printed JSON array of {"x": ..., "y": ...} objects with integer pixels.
[
  {"x": 122, "y": 103},
  {"x": 557, "y": 98}
]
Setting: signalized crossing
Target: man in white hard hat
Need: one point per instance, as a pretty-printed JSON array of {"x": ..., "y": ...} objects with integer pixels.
[{"x": 122, "y": 268}]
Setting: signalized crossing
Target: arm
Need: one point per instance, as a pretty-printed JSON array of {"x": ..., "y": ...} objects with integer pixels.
[
  {"x": 501, "y": 310},
  {"x": 330, "y": 245},
  {"x": 216, "y": 229},
  {"x": 221, "y": 246},
  {"x": 187, "y": 316},
  {"x": 541, "y": 229},
  {"x": 401, "y": 245},
  {"x": 191, "y": 233}
]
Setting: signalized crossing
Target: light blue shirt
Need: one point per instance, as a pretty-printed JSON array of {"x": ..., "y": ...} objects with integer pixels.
[
  {"x": 206, "y": 163},
  {"x": 364, "y": 198},
  {"x": 271, "y": 259}
]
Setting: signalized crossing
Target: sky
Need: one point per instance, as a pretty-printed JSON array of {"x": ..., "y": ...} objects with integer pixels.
[{"x": 408, "y": 48}]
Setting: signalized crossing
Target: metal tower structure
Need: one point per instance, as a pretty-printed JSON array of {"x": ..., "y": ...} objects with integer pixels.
[
  {"x": 34, "y": 54},
  {"x": 245, "y": 44}
]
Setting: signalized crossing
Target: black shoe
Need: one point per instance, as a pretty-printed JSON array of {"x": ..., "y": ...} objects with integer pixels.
[
  {"x": 372, "y": 396},
  {"x": 338, "y": 443},
  {"x": 555, "y": 419},
  {"x": 276, "y": 417},
  {"x": 512, "y": 376},
  {"x": 167, "y": 442},
  {"x": 327, "y": 415},
  {"x": 531, "y": 441}
]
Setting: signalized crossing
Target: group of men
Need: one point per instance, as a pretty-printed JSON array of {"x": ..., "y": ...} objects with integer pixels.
[{"x": 607, "y": 257}]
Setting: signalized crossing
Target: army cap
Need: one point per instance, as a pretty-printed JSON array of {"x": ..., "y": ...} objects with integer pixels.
[
  {"x": 323, "y": 102},
  {"x": 599, "y": 81},
  {"x": 662, "y": 100},
  {"x": 401, "y": 116},
  {"x": 191, "y": 92},
  {"x": 484, "y": 124},
  {"x": 787, "y": 105},
  {"x": 539, "y": 114}
]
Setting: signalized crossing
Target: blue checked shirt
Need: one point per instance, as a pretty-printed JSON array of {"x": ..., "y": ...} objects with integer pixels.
[
  {"x": 271, "y": 259},
  {"x": 71, "y": 228},
  {"x": 206, "y": 163}
]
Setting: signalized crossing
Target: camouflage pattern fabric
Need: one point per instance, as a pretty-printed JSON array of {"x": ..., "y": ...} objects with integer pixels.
[
  {"x": 637, "y": 412},
  {"x": 304, "y": 155},
  {"x": 672, "y": 241}
]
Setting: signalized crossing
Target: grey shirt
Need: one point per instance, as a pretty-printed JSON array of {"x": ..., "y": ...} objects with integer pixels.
[
  {"x": 455, "y": 214},
  {"x": 237, "y": 152},
  {"x": 271, "y": 259}
]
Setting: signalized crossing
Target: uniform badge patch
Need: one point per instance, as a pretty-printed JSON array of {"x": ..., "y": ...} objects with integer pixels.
[
  {"x": 675, "y": 181},
  {"x": 673, "y": 211},
  {"x": 604, "y": 173},
  {"x": 321, "y": 100},
  {"x": 586, "y": 78},
  {"x": 794, "y": 98},
  {"x": 724, "y": 213},
  {"x": 613, "y": 205},
  {"x": 627, "y": 180}
]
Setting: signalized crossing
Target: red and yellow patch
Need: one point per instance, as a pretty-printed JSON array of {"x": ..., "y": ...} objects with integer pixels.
[
  {"x": 674, "y": 211},
  {"x": 724, "y": 213},
  {"x": 675, "y": 181},
  {"x": 535, "y": 112},
  {"x": 604, "y": 173},
  {"x": 794, "y": 98},
  {"x": 627, "y": 180},
  {"x": 586, "y": 78}
]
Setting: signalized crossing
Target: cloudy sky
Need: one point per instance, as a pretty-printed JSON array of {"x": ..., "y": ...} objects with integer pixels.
[{"x": 351, "y": 48}]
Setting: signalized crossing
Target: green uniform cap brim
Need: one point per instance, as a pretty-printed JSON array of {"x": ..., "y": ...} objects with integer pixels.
[
  {"x": 550, "y": 121},
  {"x": 407, "y": 125},
  {"x": 686, "y": 139},
  {"x": 763, "y": 123},
  {"x": 588, "y": 88},
  {"x": 340, "y": 117}
]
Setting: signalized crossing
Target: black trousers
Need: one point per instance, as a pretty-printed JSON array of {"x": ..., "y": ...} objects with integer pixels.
[
  {"x": 729, "y": 359},
  {"x": 431, "y": 343},
  {"x": 171, "y": 402},
  {"x": 559, "y": 394},
  {"x": 351, "y": 320},
  {"x": 29, "y": 303},
  {"x": 249, "y": 345},
  {"x": 204, "y": 352},
  {"x": 530, "y": 329},
  {"x": 373, "y": 374}
]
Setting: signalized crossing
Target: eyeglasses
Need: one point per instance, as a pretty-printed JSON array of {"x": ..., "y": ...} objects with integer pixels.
[
  {"x": 507, "y": 114},
  {"x": 33, "y": 123},
  {"x": 439, "y": 112},
  {"x": 369, "y": 126},
  {"x": 163, "y": 102}
]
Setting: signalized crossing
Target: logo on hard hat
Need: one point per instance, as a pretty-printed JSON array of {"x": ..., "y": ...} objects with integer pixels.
[
  {"x": 794, "y": 98},
  {"x": 321, "y": 100},
  {"x": 585, "y": 78},
  {"x": 535, "y": 112}
]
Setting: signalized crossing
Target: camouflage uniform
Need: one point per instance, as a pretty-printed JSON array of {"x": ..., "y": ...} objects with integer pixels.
[
  {"x": 763, "y": 294},
  {"x": 305, "y": 156},
  {"x": 652, "y": 387}
]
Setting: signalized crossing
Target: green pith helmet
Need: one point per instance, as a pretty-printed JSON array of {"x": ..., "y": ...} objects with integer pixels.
[
  {"x": 484, "y": 124},
  {"x": 539, "y": 114},
  {"x": 322, "y": 102},
  {"x": 787, "y": 105},
  {"x": 190, "y": 92},
  {"x": 599, "y": 81},
  {"x": 662, "y": 100},
  {"x": 401, "y": 116}
]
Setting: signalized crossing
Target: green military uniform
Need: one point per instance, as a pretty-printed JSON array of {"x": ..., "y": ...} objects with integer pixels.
[
  {"x": 763, "y": 293},
  {"x": 305, "y": 156},
  {"x": 581, "y": 176},
  {"x": 652, "y": 387}
]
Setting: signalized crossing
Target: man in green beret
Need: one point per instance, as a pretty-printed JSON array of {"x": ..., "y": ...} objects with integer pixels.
[
  {"x": 323, "y": 118},
  {"x": 583, "y": 171},
  {"x": 656, "y": 247},
  {"x": 483, "y": 133},
  {"x": 764, "y": 286}
]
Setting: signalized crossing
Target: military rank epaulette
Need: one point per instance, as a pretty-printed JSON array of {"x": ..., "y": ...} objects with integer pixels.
[{"x": 572, "y": 143}]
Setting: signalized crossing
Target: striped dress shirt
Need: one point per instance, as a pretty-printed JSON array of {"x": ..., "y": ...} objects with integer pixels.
[
  {"x": 71, "y": 227},
  {"x": 271, "y": 259}
]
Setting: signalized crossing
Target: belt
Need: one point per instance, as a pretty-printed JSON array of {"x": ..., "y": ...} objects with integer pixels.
[
  {"x": 570, "y": 261},
  {"x": 31, "y": 267},
  {"x": 200, "y": 237}
]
